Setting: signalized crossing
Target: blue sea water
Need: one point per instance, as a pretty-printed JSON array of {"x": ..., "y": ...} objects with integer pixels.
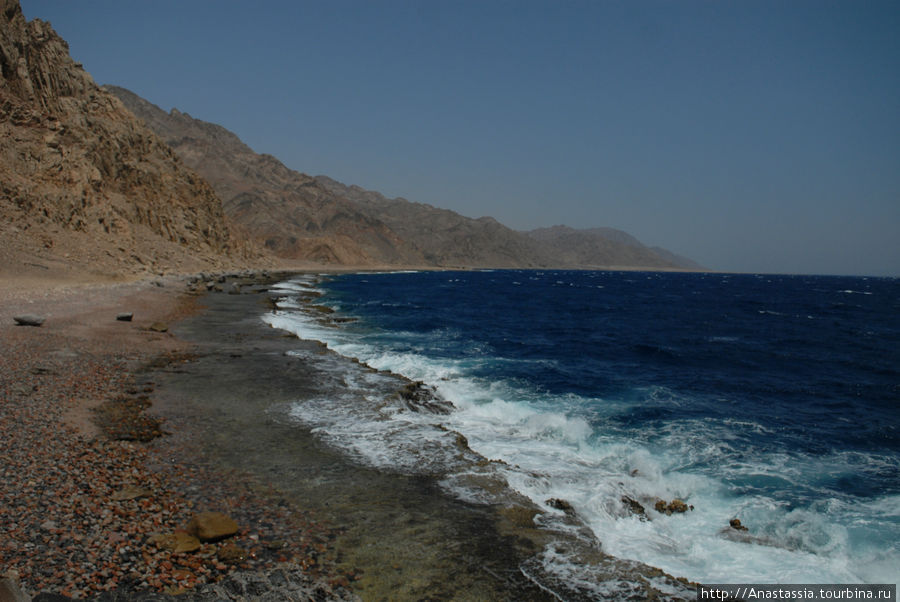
[{"x": 773, "y": 399}]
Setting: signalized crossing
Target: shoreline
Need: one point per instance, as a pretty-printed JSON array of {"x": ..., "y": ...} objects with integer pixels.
[{"x": 222, "y": 381}]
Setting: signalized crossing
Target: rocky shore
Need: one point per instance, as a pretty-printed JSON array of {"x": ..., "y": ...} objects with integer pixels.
[{"x": 89, "y": 509}]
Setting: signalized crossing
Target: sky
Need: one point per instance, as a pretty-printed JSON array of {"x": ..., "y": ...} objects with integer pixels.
[{"x": 753, "y": 136}]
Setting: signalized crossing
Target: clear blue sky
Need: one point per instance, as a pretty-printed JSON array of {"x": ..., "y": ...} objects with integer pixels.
[{"x": 749, "y": 136}]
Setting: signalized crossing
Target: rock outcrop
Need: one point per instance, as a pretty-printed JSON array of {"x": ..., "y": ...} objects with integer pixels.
[{"x": 81, "y": 178}]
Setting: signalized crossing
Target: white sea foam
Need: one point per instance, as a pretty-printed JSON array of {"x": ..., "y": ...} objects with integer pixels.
[{"x": 551, "y": 450}]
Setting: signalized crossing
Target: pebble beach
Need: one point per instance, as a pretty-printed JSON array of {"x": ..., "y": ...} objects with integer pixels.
[{"x": 98, "y": 500}]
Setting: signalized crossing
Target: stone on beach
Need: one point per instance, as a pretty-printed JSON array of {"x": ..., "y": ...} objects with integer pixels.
[
  {"x": 159, "y": 327},
  {"x": 178, "y": 542},
  {"x": 124, "y": 316},
  {"x": 212, "y": 526},
  {"x": 131, "y": 492},
  {"x": 29, "y": 320}
]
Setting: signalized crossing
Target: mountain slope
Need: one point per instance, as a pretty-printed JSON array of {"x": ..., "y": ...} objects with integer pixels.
[
  {"x": 606, "y": 247},
  {"x": 81, "y": 180},
  {"x": 287, "y": 211},
  {"x": 320, "y": 219}
]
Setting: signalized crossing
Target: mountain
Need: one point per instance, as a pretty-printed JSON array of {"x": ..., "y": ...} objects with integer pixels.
[
  {"x": 288, "y": 212},
  {"x": 298, "y": 216},
  {"x": 82, "y": 181},
  {"x": 606, "y": 247}
]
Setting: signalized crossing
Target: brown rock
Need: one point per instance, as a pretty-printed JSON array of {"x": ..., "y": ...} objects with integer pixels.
[
  {"x": 736, "y": 524},
  {"x": 212, "y": 526},
  {"x": 660, "y": 506},
  {"x": 178, "y": 542},
  {"x": 676, "y": 506},
  {"x": 159, "y": 327}
]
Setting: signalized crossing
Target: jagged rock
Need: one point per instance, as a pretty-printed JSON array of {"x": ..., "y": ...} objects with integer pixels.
[
  {"x": 159, "y": 327},
  {"x": 561, "y": 505},
  {"x": 676, "y": 506},
  {"x": 76, "y": 165},
  {"x": 736, "y": 524},
  {"x": 212, "y": 526},
  {"x": 418, "y": 397},
  {"x": 634, "y": 506},
  {"x": 178, "y": 542},
  {"x": 124, "y": 316},
  {"x": 29, "y": 320}
]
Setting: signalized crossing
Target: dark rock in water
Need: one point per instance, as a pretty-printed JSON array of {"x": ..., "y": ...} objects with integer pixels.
[
  {"x": 660, "y": 506},
  {"x": 234, "y": 289},
  {"x": 736, "y": 524},
  {"x": 634, "y": 506},
  {"x": 561, "y": 505},
  {"x": 419, "y": 397},
  {"x": 124, "y": 317},
  {"x": 159, "y": 327},
  {"x": 29, "y": 320}
]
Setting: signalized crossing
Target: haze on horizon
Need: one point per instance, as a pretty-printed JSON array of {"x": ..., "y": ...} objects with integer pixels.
[{"x": 757, "y": 136}]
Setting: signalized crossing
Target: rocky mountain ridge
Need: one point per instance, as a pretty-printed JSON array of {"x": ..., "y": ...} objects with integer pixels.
[
  {"x": 82, "y": 181},
  {"x": 298, "y": 216}
]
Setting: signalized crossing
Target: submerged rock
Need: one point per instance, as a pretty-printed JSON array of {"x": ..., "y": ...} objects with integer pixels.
[
  {"x": 736, "y": 524},
  {"x": 231, "y": 553},
  {"x": 212, "y": 526},
  {"x": 178, "y": 542}
]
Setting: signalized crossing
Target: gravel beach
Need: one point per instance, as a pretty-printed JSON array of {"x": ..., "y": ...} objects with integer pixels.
[{"x": 87, "y": 506}]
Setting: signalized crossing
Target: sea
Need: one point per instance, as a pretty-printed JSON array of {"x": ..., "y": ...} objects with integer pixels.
[{"x": 771, "y": 399}]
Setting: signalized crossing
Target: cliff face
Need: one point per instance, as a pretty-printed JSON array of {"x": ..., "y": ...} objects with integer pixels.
[
  {"x": 288, "y": 212},
  {"x": 81, "y": 178}
]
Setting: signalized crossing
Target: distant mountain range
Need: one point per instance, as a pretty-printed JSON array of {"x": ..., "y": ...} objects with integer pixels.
[
  {"x": 299, "y": 216},
  {"x": 102, "y": 179}
]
